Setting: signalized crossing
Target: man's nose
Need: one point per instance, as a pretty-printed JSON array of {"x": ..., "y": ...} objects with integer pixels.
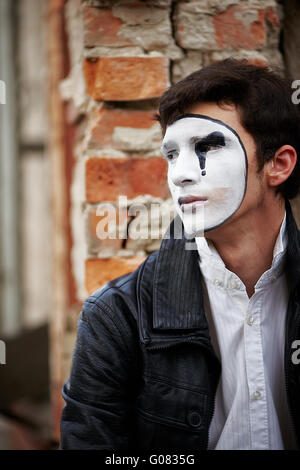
[{"x": 186, "y": 169}]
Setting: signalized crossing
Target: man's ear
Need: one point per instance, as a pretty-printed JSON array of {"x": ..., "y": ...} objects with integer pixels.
[{"x": 281, "y": 166}]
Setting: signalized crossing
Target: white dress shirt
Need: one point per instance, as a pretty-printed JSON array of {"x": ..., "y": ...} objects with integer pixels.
[{"x": 248, "y": 335}]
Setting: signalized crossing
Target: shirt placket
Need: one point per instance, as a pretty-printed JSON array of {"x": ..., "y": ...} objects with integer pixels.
[{"x": 258, "y": 412}]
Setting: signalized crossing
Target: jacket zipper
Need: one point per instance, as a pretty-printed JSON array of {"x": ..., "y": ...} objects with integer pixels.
[{"x": 211, "y": 413}]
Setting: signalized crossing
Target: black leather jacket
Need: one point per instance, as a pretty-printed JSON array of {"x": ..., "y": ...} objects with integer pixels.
[{"x": 144, "y": 373}]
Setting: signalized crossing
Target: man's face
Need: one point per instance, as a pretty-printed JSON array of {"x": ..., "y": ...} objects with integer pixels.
[{"x": 208, "y": 166}]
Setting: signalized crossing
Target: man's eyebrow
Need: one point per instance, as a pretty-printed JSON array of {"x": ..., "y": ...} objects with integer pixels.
[
  {"x": 213, "y": 138},
  {"x": 167, "y": 145},
  {"x": 216, "y": 138}
]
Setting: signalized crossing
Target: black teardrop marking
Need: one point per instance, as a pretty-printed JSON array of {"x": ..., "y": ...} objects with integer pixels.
[
  {"x": 215, "y": 139},
  {"x": 202, "y": 157}
]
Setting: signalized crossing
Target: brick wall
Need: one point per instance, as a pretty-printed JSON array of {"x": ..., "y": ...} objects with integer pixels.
[
  {"x": 123, "y": 55},
  {"x": 126, "y": 55}
]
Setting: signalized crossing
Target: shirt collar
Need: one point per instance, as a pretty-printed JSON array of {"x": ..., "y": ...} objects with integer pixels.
[
  {"x": 175, "y": 287},
  {"x": 281, "y": 241}
]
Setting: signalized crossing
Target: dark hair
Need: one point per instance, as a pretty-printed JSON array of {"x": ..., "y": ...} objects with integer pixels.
[{"x": 262, "y": 98}]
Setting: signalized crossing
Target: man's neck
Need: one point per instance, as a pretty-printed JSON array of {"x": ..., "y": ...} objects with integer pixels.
[{"x": 246, "y": 245}]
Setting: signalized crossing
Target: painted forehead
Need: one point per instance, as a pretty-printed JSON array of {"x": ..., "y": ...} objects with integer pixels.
[{"x": 190, "y": 126}]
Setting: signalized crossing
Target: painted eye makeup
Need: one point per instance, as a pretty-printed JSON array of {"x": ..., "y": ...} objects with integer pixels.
[
  {"x": 207, "y": 146},
  {"x": 169, "y": 150},
  {"x": 213, "y": 141},
  {"x": 171, "y": 154}
]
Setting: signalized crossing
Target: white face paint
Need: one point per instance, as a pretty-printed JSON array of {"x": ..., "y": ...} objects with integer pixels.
[{"x": 207, "y": 172}]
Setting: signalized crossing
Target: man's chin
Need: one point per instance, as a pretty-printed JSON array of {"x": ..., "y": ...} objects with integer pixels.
[
  {"x": 200, "y": 230},
  {"x": 193, "y": 223},
  {"x": 192, "y": 232},
  {"x": 198, "y": 222}
]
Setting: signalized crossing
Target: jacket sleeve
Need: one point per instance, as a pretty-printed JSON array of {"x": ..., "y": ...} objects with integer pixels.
[{"x": 100, "y": 392}]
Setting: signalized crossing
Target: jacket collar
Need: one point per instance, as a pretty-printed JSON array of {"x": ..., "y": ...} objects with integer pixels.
[
  {"x": 177, "y": 290},
  {"x": 171, "y": 309}
]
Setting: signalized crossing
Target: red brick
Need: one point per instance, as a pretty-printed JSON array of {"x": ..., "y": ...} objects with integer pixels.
[
  {"x": 107, "y": 119},
  {"x": 57, "y": 404},
  {"x": 257, "y": 61},
  {"x": 272, "y": 17},
  {"x": 101, "y": 28},
  {"x": 126, "y": 78},
  {"x": 232, "y": 31},
  {"x": 106, "y": 178},
  {"x": 100, "y": 271}
]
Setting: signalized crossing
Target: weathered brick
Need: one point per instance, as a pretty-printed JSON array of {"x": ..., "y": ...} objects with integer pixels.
[
  {"x": 194, "y": 27},
  {"x": 106, "y": 178},
  {"x": 240, "y": 28},
  {"x": 268, "y": 56},
  {"x": 272, "y": 27},
  {"x": 252, "y": 57},
  {"x": 144, "y": 24},
  {"x": 192, "y": 61},
  {"x": 100, "y": 271},
  {"x": 102, "y": 28},
  {"x": 110, "y": 3},
  {"x": 109, "y": 122},
  {"x": 272, "y": 17},
  {"x": 151, "y": 220},
  {"x": 126, "y": 78},
  {"x": 128, "y": 24},
  {"x": 200, "y": 26},
  {"x": 57, "y": 404}
]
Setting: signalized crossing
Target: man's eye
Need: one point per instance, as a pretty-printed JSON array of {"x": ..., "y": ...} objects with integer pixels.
[{"x": 171, "y": 155}]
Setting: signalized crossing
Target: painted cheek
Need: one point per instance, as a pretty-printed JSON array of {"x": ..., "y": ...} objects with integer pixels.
[
  {"x": 172, "y": 186},
  {"x": 221, "y": 194}
]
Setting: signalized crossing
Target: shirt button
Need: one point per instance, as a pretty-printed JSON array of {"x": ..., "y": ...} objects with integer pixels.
[
  {"x": 250, "y": 320},
  {"x": 273, "y": 278},
  {"x": 217, "y": 282},
  {"x": 233, "y": 284},
  {"x": 256, "y": 395}
]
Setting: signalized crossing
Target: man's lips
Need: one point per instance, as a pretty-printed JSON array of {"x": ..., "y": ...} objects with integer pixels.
[{"x": 189, "y": 200}]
